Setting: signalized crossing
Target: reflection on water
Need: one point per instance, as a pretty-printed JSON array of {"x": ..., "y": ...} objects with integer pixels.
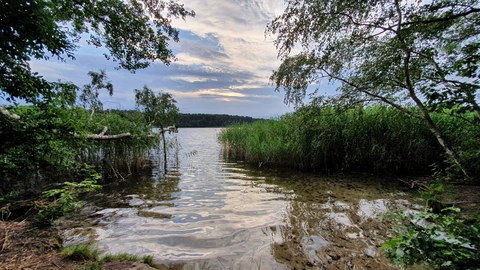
[{"x": 206, "y": 213}]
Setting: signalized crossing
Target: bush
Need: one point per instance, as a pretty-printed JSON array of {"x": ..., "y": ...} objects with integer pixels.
[
  {"x": 441, "y": 241},
  {"x": 58, "y": 202}
]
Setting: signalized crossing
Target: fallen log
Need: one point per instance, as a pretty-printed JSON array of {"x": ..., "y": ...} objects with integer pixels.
[
  {"x": 100, "y": 137},
  {"x": 8, "y": 114}
]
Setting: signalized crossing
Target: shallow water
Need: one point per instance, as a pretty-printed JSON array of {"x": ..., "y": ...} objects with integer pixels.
[{"x": 207, "y": 213}]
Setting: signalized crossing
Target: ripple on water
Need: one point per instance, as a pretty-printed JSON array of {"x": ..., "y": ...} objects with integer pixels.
[{"x": 207, "y": 213}]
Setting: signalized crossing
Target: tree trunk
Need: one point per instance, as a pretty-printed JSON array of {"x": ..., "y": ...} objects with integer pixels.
[
  {"x": 426, "y": 116},
  {"x": 162, "y": 130}
]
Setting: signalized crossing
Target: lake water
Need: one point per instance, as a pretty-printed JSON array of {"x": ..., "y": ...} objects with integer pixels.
[{"x": 208, "y": 213}]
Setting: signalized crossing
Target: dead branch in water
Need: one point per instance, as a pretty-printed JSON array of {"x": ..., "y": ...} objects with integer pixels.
[
  {"x": 101, "y": 136},
  {"x": 8, "y": 114}
]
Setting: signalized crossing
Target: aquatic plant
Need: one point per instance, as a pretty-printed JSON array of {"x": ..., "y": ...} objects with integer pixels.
[
  {"x": 376, "y": 139},
  {"x": 120, "y": 157}
]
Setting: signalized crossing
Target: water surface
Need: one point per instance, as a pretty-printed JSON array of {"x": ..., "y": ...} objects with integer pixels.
[{"x": 207, "y": 213}]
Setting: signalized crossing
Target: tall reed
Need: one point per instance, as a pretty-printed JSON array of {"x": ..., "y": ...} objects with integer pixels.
[
  {"x": 121, "y": 156},
  {"x": 373, "y": 139}
]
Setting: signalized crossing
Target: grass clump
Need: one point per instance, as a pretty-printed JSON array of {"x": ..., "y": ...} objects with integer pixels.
[
  {"x": 87, "y": 252},
  {"x": 148, "y": 259},
  {"x": 81, "y": 252}
]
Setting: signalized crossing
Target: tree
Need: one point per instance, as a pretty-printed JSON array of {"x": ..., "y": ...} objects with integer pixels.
[
  {"x": 89, "y": 96},
  {"x": 159, "y": 110},
  {"x": 402, "y": 53},
  {"x": 50, "y": 138},
  {"x": 135, "y": 33}
]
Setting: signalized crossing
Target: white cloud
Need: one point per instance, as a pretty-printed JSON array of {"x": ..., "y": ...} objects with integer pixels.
[
  {"x": 193, "y": 79},
  {"x": 239, "y": 26},
  {"x": 215, "y": 92}
]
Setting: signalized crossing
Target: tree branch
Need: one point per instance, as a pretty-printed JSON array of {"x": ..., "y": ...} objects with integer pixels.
[
  {"x": 443, "y": 19},
  {"x": 103, "y": 131},
  {"x": 384, "y": 99},
  {"x": 8, "y": 114},
  {"x": 100, "y": 137},
  {"x": 367, "y": 24}
]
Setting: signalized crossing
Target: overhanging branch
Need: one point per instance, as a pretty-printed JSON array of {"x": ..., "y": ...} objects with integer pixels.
[{"x": 382, "y": 98}]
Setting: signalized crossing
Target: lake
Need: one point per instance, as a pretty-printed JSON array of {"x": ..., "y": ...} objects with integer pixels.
[{"x": 210, "y": 213}]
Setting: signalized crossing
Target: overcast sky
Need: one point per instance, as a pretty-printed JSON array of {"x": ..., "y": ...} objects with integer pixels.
[{"x": 224, "y": 62}]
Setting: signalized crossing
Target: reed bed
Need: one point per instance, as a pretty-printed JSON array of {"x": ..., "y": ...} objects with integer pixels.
[
  {"x": 374, "y": 139},
  {"x": 121, "y": 157}
]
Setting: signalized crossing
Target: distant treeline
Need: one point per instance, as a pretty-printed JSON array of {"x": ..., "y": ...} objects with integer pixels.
[
  {"x": 199, "y": 119},
  {"x": 211, "y": 120}
]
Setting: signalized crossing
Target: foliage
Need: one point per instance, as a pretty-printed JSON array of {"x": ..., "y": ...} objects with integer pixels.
[
  {"x": 400, "y": 53},
  {"x": 379, "y": 139},
  {"x": 51, "y": 143},
  {"x": 60, "y": 201},
  {"x": 159, "y": 110},
  {"x": 50, "y": 139},
  {"x": 441, "y": 241},
  {"x": 89, "y": 96},
  {"x": 135, "y": 33},
  {"x": 431, "y": 195},
  {"x": 12, "y": 195},
  {"x": 39, "y": 146}
]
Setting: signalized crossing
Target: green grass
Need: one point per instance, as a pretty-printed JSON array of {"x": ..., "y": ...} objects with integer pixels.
[
  {"x": 81, "y": 252},
  {"x": 374, "y": 139},
  {"x": 87, "y": 252},
  {"x": 148, "y": 259}
]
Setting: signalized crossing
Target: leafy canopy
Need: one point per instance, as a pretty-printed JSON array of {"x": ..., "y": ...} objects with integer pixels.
[
  {"x": 134, "y": 32},
  {"x": 391, "y": 51}
]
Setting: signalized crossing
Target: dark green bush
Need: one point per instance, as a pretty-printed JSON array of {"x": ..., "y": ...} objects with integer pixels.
[{"x": 441, "y": 241}]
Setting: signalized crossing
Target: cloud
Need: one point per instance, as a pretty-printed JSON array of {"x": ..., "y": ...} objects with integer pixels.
[
  {"x": 239, "y": 27},
  {"x": 223, "y": 65},
  {"x": 192, "y": 79}
]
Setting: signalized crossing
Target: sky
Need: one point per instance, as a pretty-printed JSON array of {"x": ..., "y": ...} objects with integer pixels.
[{"x": 224, "y": 61}]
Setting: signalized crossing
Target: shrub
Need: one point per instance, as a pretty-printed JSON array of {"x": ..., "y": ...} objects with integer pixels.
[
  {"x": 441, "y": 241},
  {"x": 58, "y": 202}
]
